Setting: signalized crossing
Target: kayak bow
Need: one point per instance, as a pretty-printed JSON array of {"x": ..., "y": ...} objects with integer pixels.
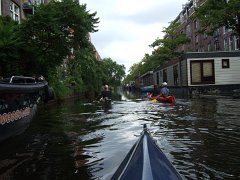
[{"x": 146, "y": 161}]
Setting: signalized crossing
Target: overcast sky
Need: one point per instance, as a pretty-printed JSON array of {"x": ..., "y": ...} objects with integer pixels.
[{"x": 128, "y": 27}]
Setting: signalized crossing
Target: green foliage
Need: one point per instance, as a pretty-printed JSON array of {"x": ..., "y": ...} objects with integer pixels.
[
  {"x": 86, "y": 68},
  {"x": 214, "y": 14},
  {"x": 53, "y": 31},
  {"x": 57, "y": 31},
  {"x": 9, "y": 47},
  {"x": 60, "y": 88},
  {"x": 113, "y": 73},
  {"x": 166, "y": 49}
]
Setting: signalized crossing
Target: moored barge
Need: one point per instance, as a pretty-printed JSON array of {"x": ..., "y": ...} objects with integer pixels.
[{"x": 19, "y": 97}]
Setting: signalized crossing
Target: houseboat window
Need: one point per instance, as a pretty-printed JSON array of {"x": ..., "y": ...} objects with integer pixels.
[
  {"x": 225, "y": 63},
  {"x": 207, "y": 69},
  {"x": 175, "y": 74},
  {"x": 202, "y": 72},
  {"x": 196, "y": 72},
  {"x": 165, "y": 75}
]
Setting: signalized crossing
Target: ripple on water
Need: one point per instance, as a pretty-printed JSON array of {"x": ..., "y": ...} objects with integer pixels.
[{"x": 200, "y": 137}]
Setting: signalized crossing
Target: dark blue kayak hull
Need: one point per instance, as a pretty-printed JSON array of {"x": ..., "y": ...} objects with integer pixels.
[{"x": 146, "y": 161}]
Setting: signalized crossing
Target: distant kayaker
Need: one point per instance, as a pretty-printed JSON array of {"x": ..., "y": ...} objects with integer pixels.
[
  {"x": 106, "y": 94},
  {"x": 164, "y": 90}
]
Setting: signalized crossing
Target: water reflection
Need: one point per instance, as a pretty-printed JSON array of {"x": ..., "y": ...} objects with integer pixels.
[{"x": 79, "y": 140}]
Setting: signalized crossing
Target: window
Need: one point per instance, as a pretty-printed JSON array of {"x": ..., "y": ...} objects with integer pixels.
[
  {"x": 202, "y": 72},
  {"x": 225, "y": 63},
  {"x": 209, "y": 47},
  {"x": 14, "y": 11},
  {"x": 188, "y": 30},
  {"x": 225, "y": 30},
  {"x": 196, "y": 39},
  {"x": 237, "y": 45},
  {"x": 195, "y": 24},
  {"x": 201, "y": 48},
  {"x": 230, "y": 43},
  {"x": 165, "y": 75},
  {"x": 216, "y": 33},
  {"x": 38, "y": 2},
  {"x": 216, "y": 45},
  {"x": 195, "y": 2},
  {"x": 205, "y": 35},
  {"x": 225, "y": 43},
  {"x": 175, "y": 75}
]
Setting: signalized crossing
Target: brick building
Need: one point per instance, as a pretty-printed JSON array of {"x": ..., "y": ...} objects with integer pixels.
[
  {"x": 221, "y": 40},
  {"x": 18, "y": 9}
]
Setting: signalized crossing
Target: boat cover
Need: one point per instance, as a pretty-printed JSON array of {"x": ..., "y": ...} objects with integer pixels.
[{"x": 146, "y": 161}]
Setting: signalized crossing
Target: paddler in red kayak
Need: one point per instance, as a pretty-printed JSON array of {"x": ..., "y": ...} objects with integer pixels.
[
  {"x": 164, "y": 90},
  {"x": 161, "y": 95}
]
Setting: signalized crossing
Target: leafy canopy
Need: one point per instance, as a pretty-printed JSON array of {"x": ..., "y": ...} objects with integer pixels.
[
  {"x": 54, "y": 30},
  {"x": 113, "y": 73}
]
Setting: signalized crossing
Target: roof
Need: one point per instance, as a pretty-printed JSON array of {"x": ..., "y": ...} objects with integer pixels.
[{"x": 211, "y": 54}]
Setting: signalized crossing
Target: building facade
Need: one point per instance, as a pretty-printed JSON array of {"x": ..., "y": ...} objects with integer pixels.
[
  {"x": 221, "y": 40},
  {"x": 209, "y": 64},
  {"x": 201, "y": 72},
  {"x": 18, "y": 9},
  {"x": 12, "y": 8}
]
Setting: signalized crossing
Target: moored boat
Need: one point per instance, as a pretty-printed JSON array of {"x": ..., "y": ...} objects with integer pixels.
[
  {"x": 146, "y": 161},
  {"x": 19, "y": 97},
  {"x": 146, "y": 89}
]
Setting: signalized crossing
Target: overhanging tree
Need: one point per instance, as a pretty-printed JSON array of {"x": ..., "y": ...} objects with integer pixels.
[
  {"x": 166, "y": 49},
  {"x": 113, "y": 72},
  {"x": 53, "y": 31}
]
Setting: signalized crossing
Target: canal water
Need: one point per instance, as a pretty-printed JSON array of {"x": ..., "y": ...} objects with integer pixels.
[{"x": 82, "y": 140}]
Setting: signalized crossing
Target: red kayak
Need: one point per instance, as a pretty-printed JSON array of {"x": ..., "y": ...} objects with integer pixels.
[{"x": 164, "y": 99}]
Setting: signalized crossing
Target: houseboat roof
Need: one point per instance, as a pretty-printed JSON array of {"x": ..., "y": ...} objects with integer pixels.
[{"x": 211, "y": 54}]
